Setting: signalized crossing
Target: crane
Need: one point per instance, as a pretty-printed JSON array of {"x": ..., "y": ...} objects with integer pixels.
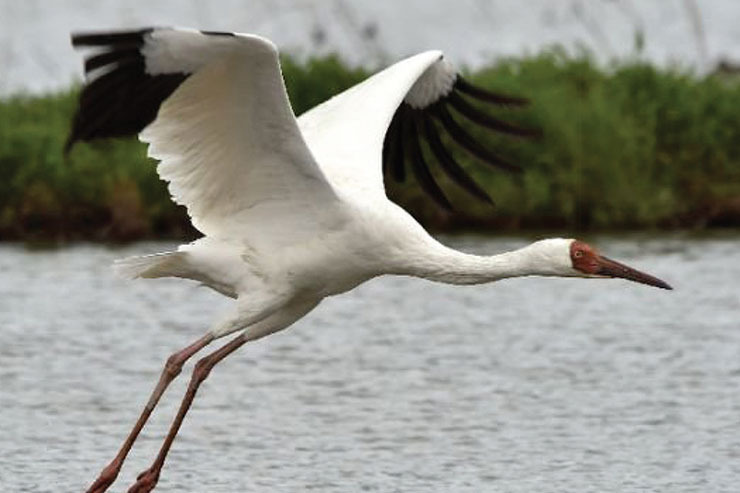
[{"x": 293, "y": 210}]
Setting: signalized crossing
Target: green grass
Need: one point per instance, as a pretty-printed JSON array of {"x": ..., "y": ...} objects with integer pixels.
[{"x": 629, "y": 147}]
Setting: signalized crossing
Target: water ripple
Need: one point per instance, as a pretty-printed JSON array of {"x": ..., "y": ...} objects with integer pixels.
[{"x": 402, "y": 385}]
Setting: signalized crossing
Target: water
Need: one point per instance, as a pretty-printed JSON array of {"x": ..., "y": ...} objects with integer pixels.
[{"x": 532, "y": 385}]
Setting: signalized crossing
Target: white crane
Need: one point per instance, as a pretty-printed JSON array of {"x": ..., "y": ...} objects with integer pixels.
[{"x": 293, "y": 210}]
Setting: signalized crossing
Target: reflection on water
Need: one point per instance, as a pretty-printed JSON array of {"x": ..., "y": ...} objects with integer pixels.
[{"x": 532, "y": 385}]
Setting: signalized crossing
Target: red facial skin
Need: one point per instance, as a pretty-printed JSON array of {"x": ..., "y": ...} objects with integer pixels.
[
  {"x": 587, "y": 260},
  {"x": 584, "y": 258}
]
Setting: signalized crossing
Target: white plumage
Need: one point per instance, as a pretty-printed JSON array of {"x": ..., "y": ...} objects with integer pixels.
[{"x": 293, "y": 210}]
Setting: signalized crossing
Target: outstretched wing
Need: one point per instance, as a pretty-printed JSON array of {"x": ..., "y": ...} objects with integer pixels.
[
  {"x": 378, "y": 127},
  {"x": 214, "y": 110}
]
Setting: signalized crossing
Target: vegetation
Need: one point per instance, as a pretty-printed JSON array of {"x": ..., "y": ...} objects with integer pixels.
[{"x": 629, "y": 147}]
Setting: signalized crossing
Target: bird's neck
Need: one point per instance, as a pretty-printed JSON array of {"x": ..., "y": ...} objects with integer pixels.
[{"x": 443, "y": 264}]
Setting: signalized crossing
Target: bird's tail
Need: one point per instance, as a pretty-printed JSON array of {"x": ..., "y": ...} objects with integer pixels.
[{"x": 164, "y": 264}]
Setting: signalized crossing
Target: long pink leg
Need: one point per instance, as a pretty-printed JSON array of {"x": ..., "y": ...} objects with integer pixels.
[
  {"x": 147, "y": 480},
  {"x": 172, "y": 368}
]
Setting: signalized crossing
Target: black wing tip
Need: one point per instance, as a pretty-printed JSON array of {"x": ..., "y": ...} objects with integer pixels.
[
  {"x": 463, "y": 107},
  {"x": 133, "y": 37},
  {"x": 421, "y": 171},
  {"x": 397, "y": 151},
  {"x": 219, "y": 33},
  {"x": 467, "y": 141},
  {"x": 451, "y": 167},
  {"x": 119, "y": 97},
  {"x": 482, "y": 94}
]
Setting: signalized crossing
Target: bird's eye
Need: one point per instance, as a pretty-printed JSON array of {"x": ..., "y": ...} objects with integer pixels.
[{"x": 578, "y": 254}]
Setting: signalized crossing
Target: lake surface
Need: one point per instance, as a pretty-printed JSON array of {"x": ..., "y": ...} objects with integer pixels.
[{"x": 531, "y": 385}]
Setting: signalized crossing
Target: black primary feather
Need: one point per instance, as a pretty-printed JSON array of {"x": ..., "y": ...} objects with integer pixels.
[
  {"x": 451, "y": 167},
  {"x": 120, "y": 97},
  {"x": 397, "y": 155},
  {"x": 409, "y": 124},
  {"x": 219, "y": 33},
  {"x": 112, "y": 39},
  {"x": 485, "y": 120},
  {"x": 468, "y": 142},
  {"x": 420, "y": 167},
  {"x": 485, "y": 95}
]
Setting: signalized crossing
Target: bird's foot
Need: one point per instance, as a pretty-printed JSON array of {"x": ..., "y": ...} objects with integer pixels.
[
  {"x": 105, "y": 479},
  {"x": 146, "y": 481}
]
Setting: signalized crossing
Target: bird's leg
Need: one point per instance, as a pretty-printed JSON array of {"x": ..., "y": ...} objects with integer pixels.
[
  {"x": 172, "y": 368},
  {"x": 148, "y": 479}
]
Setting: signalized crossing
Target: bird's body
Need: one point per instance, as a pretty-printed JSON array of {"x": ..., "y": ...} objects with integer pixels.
[
  {"x": 295, "y": 210},
  {"x": 264, "y": 273}
]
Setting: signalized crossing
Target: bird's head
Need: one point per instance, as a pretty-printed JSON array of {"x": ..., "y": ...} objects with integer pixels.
[
  {"x": 575, "y": 258},
  {"x": 588, "y": 262}
]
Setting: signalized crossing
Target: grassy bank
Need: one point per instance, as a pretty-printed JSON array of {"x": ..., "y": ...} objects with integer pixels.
[{"x": 631, "y": 147}]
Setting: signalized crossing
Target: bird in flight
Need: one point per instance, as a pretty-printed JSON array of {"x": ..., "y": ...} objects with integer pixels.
[{"x": 293, "y": 210}]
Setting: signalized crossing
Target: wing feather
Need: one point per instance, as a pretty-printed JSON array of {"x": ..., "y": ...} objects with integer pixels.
[
  {"x": 421, "y": 168},
  {"x": 371, "y": 130},
  {"x": 451, "y": 167},
  {"x": 214, "y": 111}
]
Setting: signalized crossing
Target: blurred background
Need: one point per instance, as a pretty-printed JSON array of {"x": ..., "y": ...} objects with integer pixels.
[
  {"x": 637, "y": 100},
  {"x": 692, "y": 34},
  {"x": 524, "y": 385}
]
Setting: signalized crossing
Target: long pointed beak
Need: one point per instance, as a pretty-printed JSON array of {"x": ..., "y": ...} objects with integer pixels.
[{"x": 612, "y": 268}]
